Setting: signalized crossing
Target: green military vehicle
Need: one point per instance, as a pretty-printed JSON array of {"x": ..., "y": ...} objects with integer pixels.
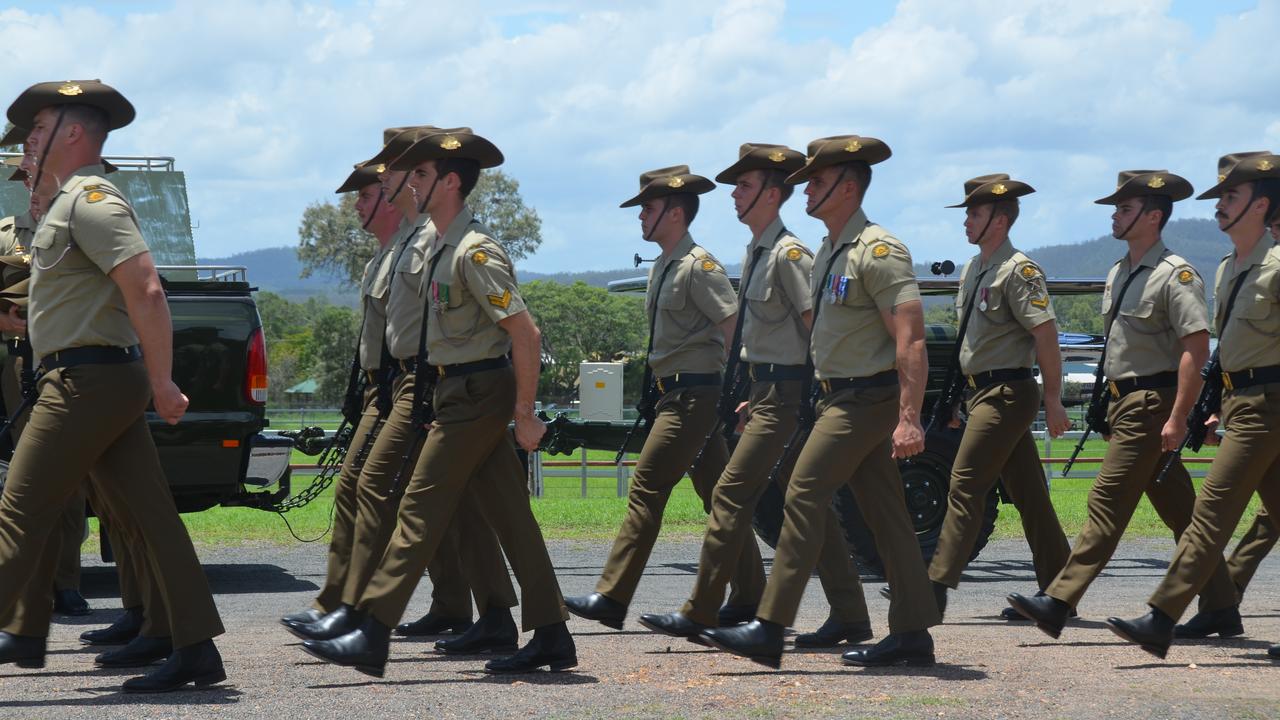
[{"x": 925, "y": 478}]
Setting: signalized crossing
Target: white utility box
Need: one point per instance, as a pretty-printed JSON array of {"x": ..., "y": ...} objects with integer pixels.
[{"x": 600, "y": 391}]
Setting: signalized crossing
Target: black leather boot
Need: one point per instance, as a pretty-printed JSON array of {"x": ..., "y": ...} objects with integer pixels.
[
  {"x": 432, "y": 624},
  {"x": 1153, "y": 631},
  {"x": 551, "y": 646},
  {"x": 302, "y": 617},
  {"x": 759, "y": 641},
  {"x": 366, "y": 648},
  {"x": 21, "y": 650},
  {"x": 1012, "y": 615},
  {"x": 601, "y": 608},
  {"x": 339, "y": 622},
  {"x": 199, "y": 664},
  {"x": 122, "y": 630},
  {"x": 674, "y": 624},
  {"x": 1224, "y": 623},
  {"x": 940, "y": 597},
  {"x": 731, "y": 615},
  {"x": 833, "y": 632},
  {"x": 140, "y": 652},
  {"x": 1048, "y": 613},
  {"x": 70, "y": 602},
  {"x": 495, "y": 632},
  {"x": 913, "y": 648}
]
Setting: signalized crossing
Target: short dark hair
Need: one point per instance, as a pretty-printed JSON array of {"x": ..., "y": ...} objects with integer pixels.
[
  {"x": 94, "y": 120},
  {"x": 1268, "y": 188},
  {"x": 1163, "y": 203},
  {"x": 861, "y": 173},
  {"x": 1008, "y": 208},
  {"x": 687, "y": 202},
  {"x": 778, "y": 179},
  {"x": 467, "y": 170}
]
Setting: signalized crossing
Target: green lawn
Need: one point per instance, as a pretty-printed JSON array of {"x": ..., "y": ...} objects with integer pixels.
[{"x": 564, "y": 514}]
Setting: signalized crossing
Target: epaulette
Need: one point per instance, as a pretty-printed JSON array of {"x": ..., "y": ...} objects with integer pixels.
[{"x": 704, "y": 259}]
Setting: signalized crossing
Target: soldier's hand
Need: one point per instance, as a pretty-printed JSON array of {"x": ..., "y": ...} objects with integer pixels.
[
  {"x": 529, "y": 431},
  {"x": 1055, "y": 418},
  {"x": 1211, "y": 430},
  {"x": 1173, "y": 433},
  {"x": 169, "y": 401},
  {"x": 743, "y": 416},
  {"x": 908, "y": 438}
]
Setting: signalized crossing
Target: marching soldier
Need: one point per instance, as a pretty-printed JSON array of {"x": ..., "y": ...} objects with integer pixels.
[
  {"x": 485, "y": 350},
  {"x": 1247, "y": 316},
  {"x": 692, "y": 312},
  {"x": 1010, "y": 326},
  {"x": 1157, "y": 339},
  {"x": 868, "y": 352},
  {"x": 99, "y": 322},
  {"x": 775, "y": 313}
]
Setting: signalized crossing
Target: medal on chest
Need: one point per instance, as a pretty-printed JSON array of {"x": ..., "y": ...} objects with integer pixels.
[
  {"x": 837, "y": 288},
  {"x": 439, "y": 295},
  {"x": 983, "y": 294}
]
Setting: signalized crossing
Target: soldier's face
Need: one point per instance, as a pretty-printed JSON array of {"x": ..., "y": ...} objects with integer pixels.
[
  {"x": 41, "y": 132},
  {"x": 650, "y": 210},
  {"x": 1275, "y": 231},
  {"x": 367, "y": 202},
  {"x": 421, "y": 180},
  {"x": 817, "y": 188},
  {"x": 390, "y": 180},
  {"x": 1233, "y": 202},
  {"x": 1123, "y": 216},
  {"x": 976, "y": 221},
  {"x": 746, "y": 190}
]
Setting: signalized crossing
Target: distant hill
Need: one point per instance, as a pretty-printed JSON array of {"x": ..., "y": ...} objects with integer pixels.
[
  {"x": 278, "y": 270},
  {"x": 1197, "y": 240}
]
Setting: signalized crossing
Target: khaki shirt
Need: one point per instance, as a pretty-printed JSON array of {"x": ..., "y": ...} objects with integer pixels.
[
  {"x": 871, "y": 272},
  {"x": 408, "y": 299},
  {"x": 16, "y": 233},
  {"x": 474, "y": 288},
  {"x": 694, "y": 299},
  {"x": 88, "y": 230},
  {"x": 1164, "y": 303},
  {"x": 1011, "y": 299},
  {"x": 1251, "y": 337},
  {"x": 374, "y": 288},
  {"x": 777, "y": 295}
]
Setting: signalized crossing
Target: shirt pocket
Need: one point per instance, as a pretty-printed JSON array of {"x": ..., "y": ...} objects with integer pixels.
[
  {"x": 763, "y": 301},
  {"x": 1259, "y": 312},
  {"x": 1143, "y": 318},
  {"x": 992, "y": 303},
  {"x": 409, "y": 271},
  {"x": 54, "y": 252}
]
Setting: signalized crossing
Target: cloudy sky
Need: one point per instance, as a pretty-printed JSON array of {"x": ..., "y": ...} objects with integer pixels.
[{"x": 266, "y": 104}]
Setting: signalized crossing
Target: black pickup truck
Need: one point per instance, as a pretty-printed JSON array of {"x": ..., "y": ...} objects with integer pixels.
[{"x": 217, "y": 454}]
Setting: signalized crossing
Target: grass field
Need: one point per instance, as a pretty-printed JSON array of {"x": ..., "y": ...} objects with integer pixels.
[{"x": 564, "y": 514}]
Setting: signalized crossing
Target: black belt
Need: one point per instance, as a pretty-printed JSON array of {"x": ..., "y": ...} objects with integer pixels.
[
  {"x": 409, "y": 364},
  {"x": 770, "y": 371},
  {"x": 1120, "y": 388},
  {"x": 880, "y": 379},
  {"x": 679, "y": 380},
  {"x": 1248, "y": 378},
  {"x": 986, "y": 379},
  {"x": 467, "y": 368},
  {"x": 14, "y": 345},
  {"x": 91, "y": 355}
]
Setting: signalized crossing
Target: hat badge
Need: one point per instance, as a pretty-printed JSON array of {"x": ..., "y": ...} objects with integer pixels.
[
  {"x": 1265, "y": 165},
  {"x": 675, "y": 182},
  {"x": 70, "y": 89},
  {"x": 1221, "y": 177},
  {"x": 777, "y": 156},
  {"x": 853, "y": 146},
  {"x": 1155, "y": 183},
  {"x": 450, "y": 143},
  {"x": 380, "y": 169},
  {"x": 999, "y": 189}
]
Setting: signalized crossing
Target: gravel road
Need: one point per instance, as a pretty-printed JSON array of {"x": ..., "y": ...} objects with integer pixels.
[{"x": 987, "y": 668}]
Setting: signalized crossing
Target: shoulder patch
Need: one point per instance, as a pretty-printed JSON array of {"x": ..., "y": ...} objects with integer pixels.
[
  {"x": 1185, "y": 276},
  {"x": 709, "y": 265},
  {"x": 794, "y": 254},
  {"x": 1029, "y": 271},
  {"x": 479, "y": 257},
  {"x": 1040, "y": 301},
  {"x": 94, "y": 196},
  {"x": 880, "y": 250},
  {"x": 500, "y": 301}
]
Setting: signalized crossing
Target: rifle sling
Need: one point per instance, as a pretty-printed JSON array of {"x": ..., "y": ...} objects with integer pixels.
[{"x": 735, "y": 346}]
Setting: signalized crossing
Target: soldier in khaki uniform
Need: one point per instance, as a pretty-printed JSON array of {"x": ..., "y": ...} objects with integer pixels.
[
  {"x": 1247, "y": 316},
  {"x": 1157, "y": 330},
  {"x": 1011, "y": 325},
  {"x": 692, "y": 312},
  {"x": 485, "y": 349},
  {"x": 99, "y": 321},
  {"x": 868, "y": 352},
  {"x": 775, "y": 313}
]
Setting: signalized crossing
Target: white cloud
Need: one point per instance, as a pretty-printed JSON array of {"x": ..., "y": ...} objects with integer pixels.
[{"x": 265, "y": 105}]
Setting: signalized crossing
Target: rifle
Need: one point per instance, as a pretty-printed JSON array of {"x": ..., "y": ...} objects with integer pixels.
[
  {"x": 1208, "y": 403},
  {"x": 1095, "y": 417},
  {"x": 420, "y": 417},
  {"x": 953, "y": 384},
  {"x": 808, "y": 416},
  {"x": 646, "y": 412}
]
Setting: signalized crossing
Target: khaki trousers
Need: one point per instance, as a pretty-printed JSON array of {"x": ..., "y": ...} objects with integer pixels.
[
  {"x": 137, "y": 588},
  {"x": 71, "y": 522},
  {"x": 684, "y": 417},
  {"x": 468, "y": 451},
  {"x": 850, "y": 444},
  {"x": 384, "y": 476},
  {"x": 89, "y": 421},
  {"x": 1248, "y": 461},
  {"x": 1132, "y": 462},
  {"x": 997, "y": 445},
  {"x": 774, "y": 408},
  {"x": 1255, "y": 545}
]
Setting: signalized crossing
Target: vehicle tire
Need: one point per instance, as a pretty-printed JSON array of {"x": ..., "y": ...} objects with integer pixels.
[{"x": 926, "y": 479}]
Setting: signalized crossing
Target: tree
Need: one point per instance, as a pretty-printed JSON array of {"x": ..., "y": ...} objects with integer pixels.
[
  {"x": 333, "y": 342},
  {"x": 579, "y": 324},
  {"x": 331, "y": 241}
]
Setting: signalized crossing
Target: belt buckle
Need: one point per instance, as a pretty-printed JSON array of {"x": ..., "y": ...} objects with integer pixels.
[
  {"x": 826, "y": 386},
  {"x": 661, "y": 387},
  {"x": 972, "y": 382},
  {"x": 1115, "y": 389},
  {"x": 440, "y": 370},
  {"x": 1226, "y": 380}
]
